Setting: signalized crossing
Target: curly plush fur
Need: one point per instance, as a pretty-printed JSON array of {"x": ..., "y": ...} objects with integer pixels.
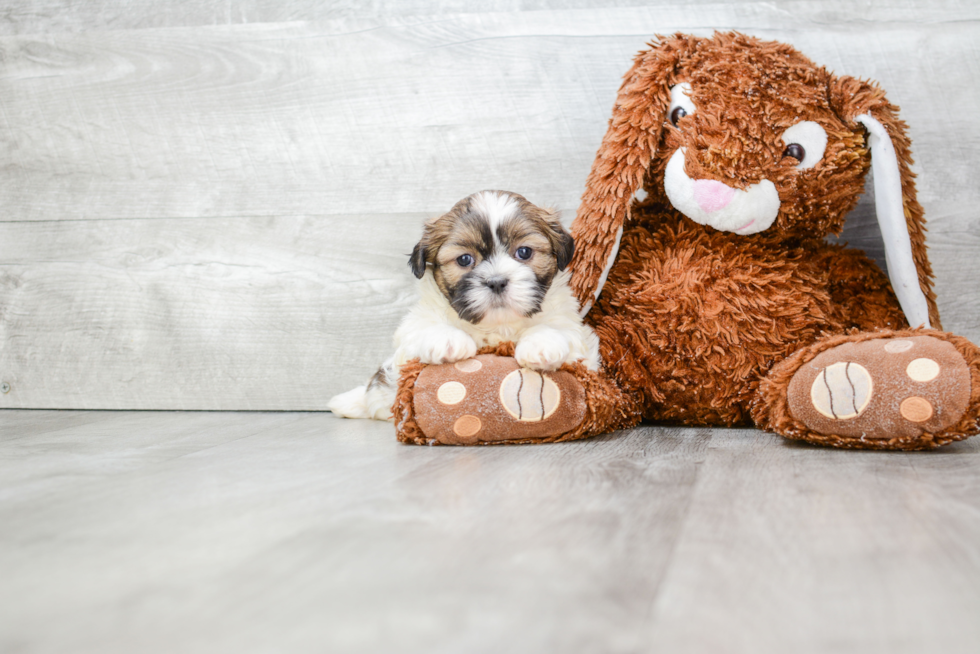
[
  {"x": 747, "y": 91},
  {"x": 701, "y": 325}
]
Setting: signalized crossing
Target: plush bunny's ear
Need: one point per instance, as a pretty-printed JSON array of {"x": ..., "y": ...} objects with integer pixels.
[
  {"x": 899, "y": 213},
  {"x": 621, "y": 163}
]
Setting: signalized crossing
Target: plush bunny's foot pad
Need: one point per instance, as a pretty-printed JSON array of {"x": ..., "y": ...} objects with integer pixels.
[
  {"x": 911, "y": 390},
  {"x": 490, "y": 399}
]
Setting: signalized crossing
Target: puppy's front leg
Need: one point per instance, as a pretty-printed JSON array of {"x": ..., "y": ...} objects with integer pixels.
[
  {"x": 437, "y": 344},
  {"x": 542, "y": 348}
]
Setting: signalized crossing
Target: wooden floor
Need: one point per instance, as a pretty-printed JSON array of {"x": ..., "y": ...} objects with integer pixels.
[{"x": 300, "y": 532}]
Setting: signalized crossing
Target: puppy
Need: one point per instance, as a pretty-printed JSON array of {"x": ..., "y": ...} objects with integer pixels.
[{"x": 492, "y": 270}]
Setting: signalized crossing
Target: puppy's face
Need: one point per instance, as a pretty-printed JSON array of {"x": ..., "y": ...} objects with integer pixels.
[{"x": 493, "y": 255}]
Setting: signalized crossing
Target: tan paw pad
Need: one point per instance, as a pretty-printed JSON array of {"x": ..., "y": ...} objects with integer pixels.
[
  {"x": 842, "y": 390},
  {"x": 452, "y": 392},
  {"x": 468, "y": 365},
  {"x": 529, "y": 395},
  {"x": 467, "y": 426},
  {"x": 922, "y": 370},
  {"x": 916, "y": 409}
]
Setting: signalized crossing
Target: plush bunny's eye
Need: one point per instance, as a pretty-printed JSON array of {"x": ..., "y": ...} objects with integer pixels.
[
  {"x": 680, "y": 103},
  {"x": 805, "y": 142},
  {"x": 796, "y": 151}
]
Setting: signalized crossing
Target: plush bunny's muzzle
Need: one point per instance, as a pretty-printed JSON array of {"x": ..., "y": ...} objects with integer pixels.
[{"x": 717, "y": 205}]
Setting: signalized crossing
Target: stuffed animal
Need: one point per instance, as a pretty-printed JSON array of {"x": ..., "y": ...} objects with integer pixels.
[{"x": 702, "y": 263}]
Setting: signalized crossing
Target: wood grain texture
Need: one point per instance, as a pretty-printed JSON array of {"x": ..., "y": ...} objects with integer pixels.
[
  {"x": 225, "y": 532},
  {"x": 245, "y": 313},
  {"x": 183, "y": 191},
  {"x": 882, "y": 549},
  {"x": 314, "y": 118},
  {"x": 47, "y": 16}
]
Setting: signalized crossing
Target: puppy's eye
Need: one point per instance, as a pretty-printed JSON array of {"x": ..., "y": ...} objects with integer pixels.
[
  {"x": 465, "y": 260},
  {"x": 680, "y": 103},
  {"x": 524, "y": 253},
  {"x": 805, "y": 141},
  {"x": 796, "y": 151}
]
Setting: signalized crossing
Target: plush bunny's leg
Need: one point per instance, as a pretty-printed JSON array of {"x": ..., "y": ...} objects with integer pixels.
[
  {"x": 490, "y": 399},
  {"x": 898, "y": 390}
]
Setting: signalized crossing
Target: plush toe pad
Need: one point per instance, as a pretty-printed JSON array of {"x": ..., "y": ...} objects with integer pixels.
[
  {"x": 491, "y": 398},
  {"x": 882, "y": 388}
]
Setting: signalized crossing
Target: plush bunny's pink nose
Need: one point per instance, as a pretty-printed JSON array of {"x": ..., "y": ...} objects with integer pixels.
[{"x": 711, "y": 195}]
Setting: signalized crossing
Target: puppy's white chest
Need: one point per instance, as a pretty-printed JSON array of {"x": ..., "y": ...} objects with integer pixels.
[{"x": 500, "y": 335}]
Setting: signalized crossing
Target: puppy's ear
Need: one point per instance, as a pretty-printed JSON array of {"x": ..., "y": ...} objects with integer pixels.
[
  {"x": 562, "y": 242},
  {"x": 863, "y": 106},
  {"x": 565, "y": 250},
  {"x": 622, "y": 161},
  {"x": 434, "y": 235},
  {"x": 417, "y": 259}
]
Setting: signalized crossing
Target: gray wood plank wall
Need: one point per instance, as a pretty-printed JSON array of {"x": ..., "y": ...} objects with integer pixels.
[{"x": 207, "y": 206}]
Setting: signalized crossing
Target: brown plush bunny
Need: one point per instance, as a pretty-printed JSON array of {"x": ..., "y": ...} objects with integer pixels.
[{"x": 716, "y": 298}]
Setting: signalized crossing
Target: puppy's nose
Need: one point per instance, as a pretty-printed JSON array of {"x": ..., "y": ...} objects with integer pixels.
[
  {"x": 711, "y": 195},
  {"x": 497, "y": 284}
]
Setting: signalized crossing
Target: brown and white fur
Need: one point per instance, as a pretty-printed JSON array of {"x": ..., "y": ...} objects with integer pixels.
[{"x": 497, "y": 272}]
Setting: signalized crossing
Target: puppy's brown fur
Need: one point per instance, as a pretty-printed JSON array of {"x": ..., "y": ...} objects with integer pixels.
[{"x": 464, "y": 230}]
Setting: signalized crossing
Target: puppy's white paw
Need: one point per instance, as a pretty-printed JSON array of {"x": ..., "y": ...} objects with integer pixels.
[
  {"x": 544, "y": 350},
  {"x": 446, "y": 346}
]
